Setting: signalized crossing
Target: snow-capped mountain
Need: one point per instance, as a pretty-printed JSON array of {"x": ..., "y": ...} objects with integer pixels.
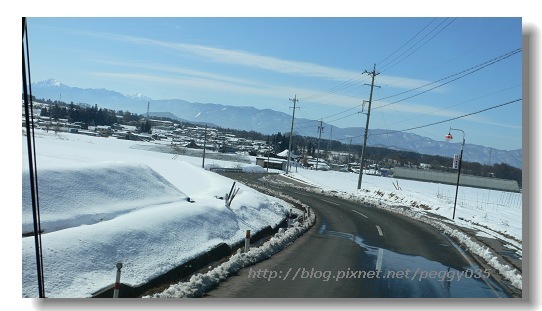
[
  {"x": 55, "y": 90},
  {"x": 265, "y": 121}
]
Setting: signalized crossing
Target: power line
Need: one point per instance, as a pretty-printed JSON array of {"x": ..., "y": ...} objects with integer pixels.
[
  {"x": 461, "y": 103},
  {"x": 336, "y": 88},
  {"x": 334, "y": 120},
  {"x": 489, "y": 62},
  {"x": 439, "y": 122},
  {"x": 390, "y": 66},
  {"x": 338, "y": 113},
  {"x": 451, "y": 119},
  {"x": 466, "y": 71},
  {"x": 351, "y": 82},
  {"x": 341, "y": 118},
  {"x": 482, "y": 43},
  {"x": 380, "y": 62}
]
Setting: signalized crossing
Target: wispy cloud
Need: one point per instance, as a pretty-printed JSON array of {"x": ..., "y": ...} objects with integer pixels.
[
  {"x": 263, "y": 62},
  {"x": 217, "y": 83},
  {"x": 179, "y": 71},
  {"x": 183, "y": 77},
  {"x": 188, "y": 82}
]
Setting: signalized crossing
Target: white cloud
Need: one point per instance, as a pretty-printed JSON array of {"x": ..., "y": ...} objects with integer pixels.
[
  {"x": 247, "y": 59},
  {"x": 217, "y": 82}
]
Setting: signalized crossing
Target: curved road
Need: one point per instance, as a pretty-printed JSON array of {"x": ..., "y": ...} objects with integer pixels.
[{"x": 359, "y": 251}]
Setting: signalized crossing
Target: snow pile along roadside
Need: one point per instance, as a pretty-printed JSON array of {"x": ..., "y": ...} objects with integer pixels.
[
  {"x": 487, "y": 254},
  {"x": 201, "y": 283},
  {"x": 104, "y": 201}
]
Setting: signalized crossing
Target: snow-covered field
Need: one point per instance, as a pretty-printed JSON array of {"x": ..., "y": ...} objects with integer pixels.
[
  {"x": 95, "y": 214},
  {"x": 494, "y": 213},
  {"x": 103, "y": 202}
]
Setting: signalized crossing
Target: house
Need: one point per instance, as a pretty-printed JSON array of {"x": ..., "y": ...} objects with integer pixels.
[
  {"x": 272, "y": 163},
  {"x": 104, "y": 130},
  {"x": 425, "y": 166},
  {"x": 385, "y": 172}
]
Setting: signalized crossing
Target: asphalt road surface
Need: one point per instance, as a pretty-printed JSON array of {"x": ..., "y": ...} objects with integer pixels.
[{"x": 359, "y": 251}]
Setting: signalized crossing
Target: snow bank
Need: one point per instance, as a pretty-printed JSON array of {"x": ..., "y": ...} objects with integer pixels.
[
  {"x": 104, "y": 201},
  {"x": 87, "y": 194},
  {"x": 199, "y": 284}
]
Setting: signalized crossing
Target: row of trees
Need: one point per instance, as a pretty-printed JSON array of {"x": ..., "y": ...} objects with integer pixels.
[
  {"x": 386, "y": 157},
  {"x": 92, "y": 115},
  {"x": 87, "y": 115}
]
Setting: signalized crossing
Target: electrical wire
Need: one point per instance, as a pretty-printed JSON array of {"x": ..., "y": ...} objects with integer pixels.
[
  {"x": 451, "y": 119},
  {"x": 383, "y": 68},
  {"x": 466, "y": 73},
  {"x": 435, "y": 123},
  {"x": 351, "y": 82},
  {"x": 461, "y": 103},
  {"x": 355, "y": 80},
  {"x": 382, "y": 61}
]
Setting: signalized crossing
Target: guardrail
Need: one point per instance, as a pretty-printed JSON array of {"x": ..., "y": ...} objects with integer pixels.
[{"x": 225, "y": 170}]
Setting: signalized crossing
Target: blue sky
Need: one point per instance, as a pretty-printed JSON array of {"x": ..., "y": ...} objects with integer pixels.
[{"x": 262, "y": 62}]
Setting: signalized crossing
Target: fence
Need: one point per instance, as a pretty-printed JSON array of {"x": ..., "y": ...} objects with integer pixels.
[{"x": 451, "y": 178}]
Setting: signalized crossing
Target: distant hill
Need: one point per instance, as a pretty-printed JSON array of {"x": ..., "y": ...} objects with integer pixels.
[{"x": 265, "y": 121}]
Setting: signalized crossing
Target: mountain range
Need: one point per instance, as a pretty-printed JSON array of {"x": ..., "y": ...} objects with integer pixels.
[{"x": 265, "y": 121}]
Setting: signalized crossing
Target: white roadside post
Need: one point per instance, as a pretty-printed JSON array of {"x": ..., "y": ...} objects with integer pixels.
[
  {"x": 117, "y": 281},
  {"x": 289, "y": 217},
  {"x": 247, "y": 241}
]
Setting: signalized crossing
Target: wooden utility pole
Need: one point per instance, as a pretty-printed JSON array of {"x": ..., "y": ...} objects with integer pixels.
[
  {"x": 320, "y": 129},
  {"x": 295, "y": 100},
  {"x": 330, "y": 136},
  {"x": 204, "y": 146},
  {"x": 372, "y": 74}
]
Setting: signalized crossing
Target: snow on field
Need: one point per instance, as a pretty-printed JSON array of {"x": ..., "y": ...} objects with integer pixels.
[
  {"x": 500, "y": 212},
  {"x": 103, "y": 201},
  {"x": 154, "y": 230}
]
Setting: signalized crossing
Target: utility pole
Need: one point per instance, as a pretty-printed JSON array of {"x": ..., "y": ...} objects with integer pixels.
[
  {"x": 349, "y": 152},
  {"x": 320, "y": 129},
  {"x": 330, "y": 135},
  {"x": 295, "y": 100},
  {"x": 204, "y": 146},
  {"x": 372, "y": 74},
  {"x": 147, "y": 119}
]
